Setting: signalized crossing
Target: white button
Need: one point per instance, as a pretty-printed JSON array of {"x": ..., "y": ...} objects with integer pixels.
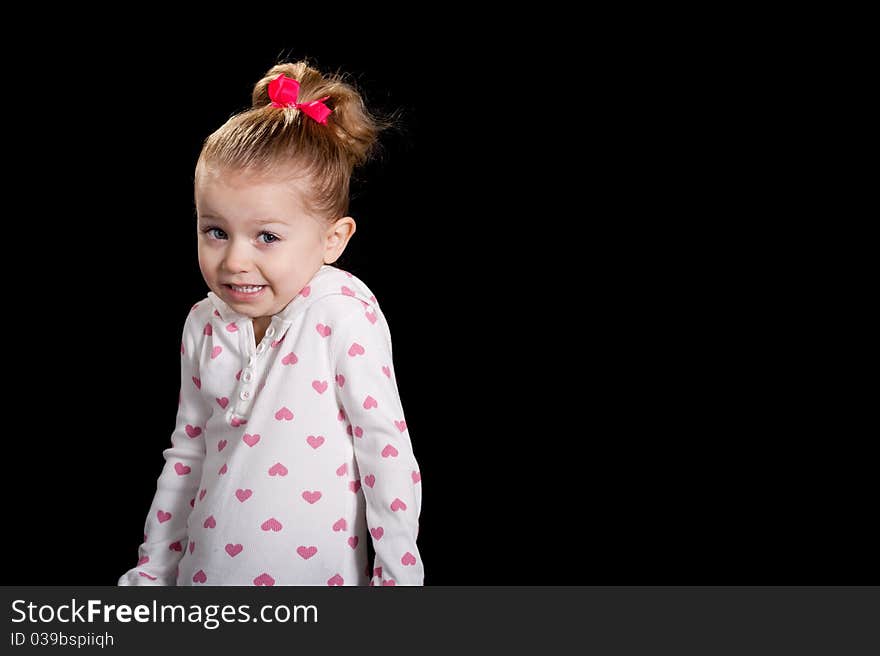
[
  {"x": 245, "y": 395},
  {"x": 270, "y": 331},
  {"x": 261, "y": 347},
  {"x": 251, "y": 361},
  {"x": 247, "y": 376}
]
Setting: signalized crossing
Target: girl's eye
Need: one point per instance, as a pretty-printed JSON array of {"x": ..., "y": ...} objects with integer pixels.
[
  {"x": 270, "y": 238},
  {"x": 216, "y": 233}
]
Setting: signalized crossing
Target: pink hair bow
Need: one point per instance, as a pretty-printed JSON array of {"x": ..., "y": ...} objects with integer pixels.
[{"x": 284, "y": 91}]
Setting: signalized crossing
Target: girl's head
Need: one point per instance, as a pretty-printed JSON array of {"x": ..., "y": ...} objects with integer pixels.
[{"x": 272, "y": 189}]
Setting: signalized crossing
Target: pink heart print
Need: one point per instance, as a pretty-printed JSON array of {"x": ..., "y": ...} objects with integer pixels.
[
  {"x": 284, "y": 414},
  {"x": 416, "y": 477},
  {"x": 264, "y": 579},
  {"x": 175, "y": 546},
  {"x": 243, "y": 495},
  {"x": 277, "y": 342},
  {"x": 340, "y": 380},
  {"x": 305, "y": 291},
  {"x": 389, "y": 582},
  {"x": 408, "y": 559},
  {"x": 353, "y": 542},
  {"x": 339, "y": 525},
  {"x": 323, "y": 331},
  {"x": 210, "y": 522},
  {"x": 208, "y": 329},
  {"x": 386, "y": 370},
  {"x": 202, "y": 493},
  {"x": 193, "y": 431},
  {"x": 370, "y": 402},
  {"x": 342, "y": 470},
  {"x": 397, "y": 504},
  {"x": 335, "y": 580},
  {"x": 147, "y": 576},
  {"x": 356, "y": 349},
  {"x": 221, "y": 445},
  {"x": 235, "y": 422},
  {"x": 315, "y": 442},
  {"x": 320, "y": 386},
  {"x": 369, "y": 480},
  {"x": 290, "y": 358},
  {"x": 271, "y": 524},
  {"x": 197, "y": 382},
  {"x": 354, "y": 486},
  {"x": 143, "y": 561},
  {"x": 389, "y": 451},
  {"x": 306, "y": 552},
  {"x": 358, "y": 431},
  {"x": 182, "y": 470},
  {"x": 223, "y": 402},
  {"x": 231, "y": 327},
  {"x": 401, "y": 425},
  {"x": 311, "y": 496},
  {"x": 371, "y": 316},
  {"x": 163, "y": 516},
  {"x": 233, "y": 549},
  {"x": 192, "y": 547},
  {"x": 217, "y": 350},
  {"x": 347, "y": 291},
  {"x": 377, "y": 534},
  {"x": 277, "y": 470},
  {"x": 223, "y": 469},
  {"x": 249, "y": 439}
]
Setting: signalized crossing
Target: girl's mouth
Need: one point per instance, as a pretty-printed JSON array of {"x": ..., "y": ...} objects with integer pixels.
[{"x": 246, "y": 292}]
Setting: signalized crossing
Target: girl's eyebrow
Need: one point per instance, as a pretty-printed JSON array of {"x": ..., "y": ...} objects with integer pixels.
[{"x": 211, "y": 217}]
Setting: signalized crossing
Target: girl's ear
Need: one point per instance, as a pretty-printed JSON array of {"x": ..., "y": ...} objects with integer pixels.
[{"x": 337, "y": 238}]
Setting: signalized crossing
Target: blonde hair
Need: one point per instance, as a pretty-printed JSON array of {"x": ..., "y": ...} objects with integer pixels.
[{"x": 273, "y": 142}]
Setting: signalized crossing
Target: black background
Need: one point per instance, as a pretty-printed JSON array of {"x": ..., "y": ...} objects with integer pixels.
[{"x": 592, "y": 400}]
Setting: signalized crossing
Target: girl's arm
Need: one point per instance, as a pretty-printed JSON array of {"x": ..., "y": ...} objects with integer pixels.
[
  {"x": 389, "y": 474},
  {"x": 165, "y": 529}
]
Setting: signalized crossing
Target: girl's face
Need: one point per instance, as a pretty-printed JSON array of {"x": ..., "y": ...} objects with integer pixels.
[{"x": 258, "y": 244}]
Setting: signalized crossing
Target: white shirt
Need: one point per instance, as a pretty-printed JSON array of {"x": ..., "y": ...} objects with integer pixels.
[{"x": 289, "y": 455}]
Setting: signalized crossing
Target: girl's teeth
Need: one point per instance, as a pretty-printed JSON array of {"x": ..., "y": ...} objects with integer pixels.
[{"x": 247, "y": 290}]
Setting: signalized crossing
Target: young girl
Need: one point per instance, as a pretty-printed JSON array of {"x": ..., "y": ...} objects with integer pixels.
[{"x": 291, "y": 450}]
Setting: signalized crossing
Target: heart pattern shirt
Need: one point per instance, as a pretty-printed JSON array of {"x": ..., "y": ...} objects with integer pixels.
[{"x": 288, "y": 456}]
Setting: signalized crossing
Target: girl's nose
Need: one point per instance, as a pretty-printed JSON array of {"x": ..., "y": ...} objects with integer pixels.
[{"x": 237, "y": 256}]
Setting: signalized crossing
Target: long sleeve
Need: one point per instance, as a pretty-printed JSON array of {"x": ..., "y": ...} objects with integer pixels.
[
  {"x": 165, "y": 528},
  {"x": 389, "y": 474}
]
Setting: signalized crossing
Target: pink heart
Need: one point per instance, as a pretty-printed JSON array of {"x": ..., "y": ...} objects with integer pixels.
[
  {"x": 389, "y": 582},
  {"x": 284, "y": 414},
  {"x": 323, "y": 331},
  {"x": 416, "y": 477},
  {"x": 376, "y": 572},
  {"x": 192, "y": 547},
  {"x": 210, "y": 522},
  {"x": 264, "y": 579},
  {"x": 243, "y": 495},
  {"x": 347, "y": 291},
  {"x": 202, "y": 494},
  {"x": 306, "y": 552},
  {"x": 305, "y": 291},
  {"x": 311, "y": 497},
  {"x": 277, "y": 470},
  {"x": 340, "y": 380},
  {"x": 320, "y": 386},
  {"x": 182, "y": 470},
  {"x": 217, "y": 350},
  {"x": 223, "y": 470},
  {"x": 358, "y": 431},
  {"x": 181, "y": 349},
  {"x": 408, "y": 559},
  {"x": 216, "y": 314},
  {"x": 193, "y": 431},
  {"x": 208, "y": 329},
  {"x": 231, "y": 327},
  {"x": 223, "y": 402},
  {"x": 249, "y": 439},
  {"x": 143, "y": 561},
  {"x": 163, "y": 516},
  {"x": 354, "y": 486},
  {"x": 271, "y": 524},
  {"x": 277, "y": 342},
  {"x": 377, "y": 534},
  {"x": 233, "y": 549},
  {"x": 339, "y": 525},
  {"x": 238, "y": 375},
  {"x": 235, "y": 422},
  {"x": 341, "y": 415},
  {"x": 335, "y": 580},
  {"x": 221, "y": 445},
  {"x": 290, "y": 358},
  {"x": 389, "y": 451},
  {"x": 369, "y": 480},
  {"x": 353, "y": 542},
  {"x": 175, "y": 546},
  {"x": 315, "y": 442},
  {"x": 342, "y": 470},
  {"x": 386, "y": 370},
  {"x": 397, "y": 504},
  {"x": 349, "y": 430},
  {"x": 401, "y": 425},
  {"x": 147, "y": 576},
  {"x": 355, "y": 350},
  {"x": 371, "y": 316},
  {"x": 197, "y": 382},
  {"x": 192, "y": 503},
  {"x": 370, "y": 402}
]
